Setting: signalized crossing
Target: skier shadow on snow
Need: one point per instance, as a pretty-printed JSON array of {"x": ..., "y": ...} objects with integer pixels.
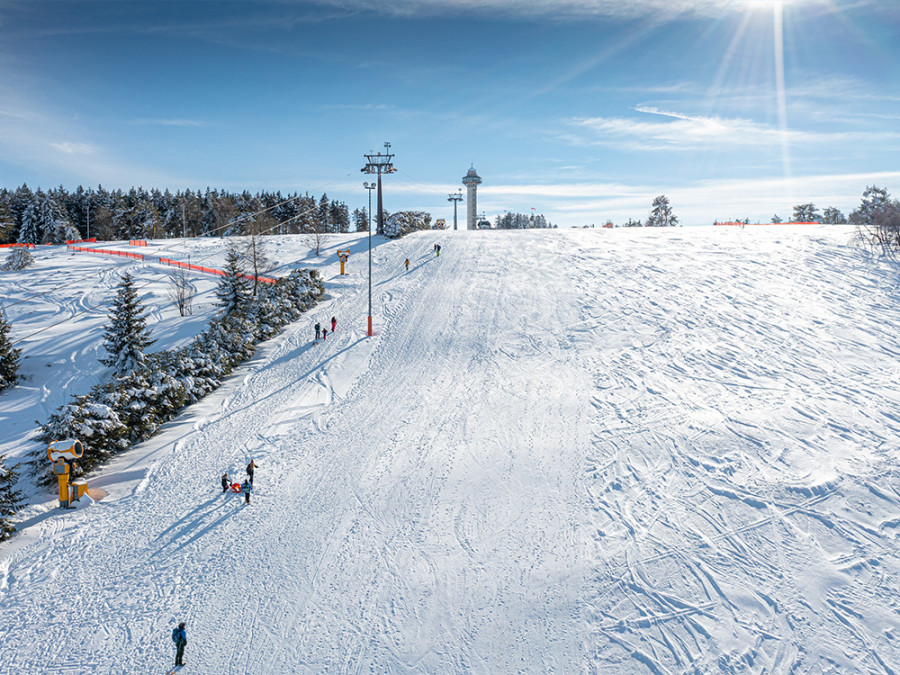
[
  {"x": 404, "y": 272},
  {"x": 195, "y": 519},
  {"x": 292, "y": 384}
]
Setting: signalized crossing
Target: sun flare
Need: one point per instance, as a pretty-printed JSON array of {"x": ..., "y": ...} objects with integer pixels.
[{"x": 763, "y": 4}]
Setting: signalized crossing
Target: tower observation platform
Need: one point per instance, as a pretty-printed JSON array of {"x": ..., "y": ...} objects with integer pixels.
[{"x": 471, "y": 180}]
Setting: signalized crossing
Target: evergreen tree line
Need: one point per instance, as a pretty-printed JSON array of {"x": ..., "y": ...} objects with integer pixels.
[
  {"x": 9, "y": 366},
  {"x": 520, "y": 221},
  {"x": 876, "y": 209},
  {"x": 147, "y": 390},
  {"x": 9, "y": 499},
  {"x": 55, "y": 216}
]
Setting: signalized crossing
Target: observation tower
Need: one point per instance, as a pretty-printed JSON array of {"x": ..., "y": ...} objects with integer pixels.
[{"x": 471, "y": 180}]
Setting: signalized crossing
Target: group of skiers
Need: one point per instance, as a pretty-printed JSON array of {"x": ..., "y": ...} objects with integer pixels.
[
  {"x": 437, "y": 252},
  {"x": 246, "y": 486},
  {"x": 324, "y": 333}
]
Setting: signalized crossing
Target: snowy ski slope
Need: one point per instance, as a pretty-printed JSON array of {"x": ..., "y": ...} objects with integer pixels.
[{"x": 628, "y": 451}]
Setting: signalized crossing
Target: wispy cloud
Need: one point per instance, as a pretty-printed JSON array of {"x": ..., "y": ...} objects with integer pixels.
[
  {"x": 562, "y": 10},
  {"x": 70, "y": 148},
  {"x": 25, "y": 144},
  {"x": 364, "y": 107},
  {"x": 681, "y": 131},
  {"x": 163, "y": 122}
]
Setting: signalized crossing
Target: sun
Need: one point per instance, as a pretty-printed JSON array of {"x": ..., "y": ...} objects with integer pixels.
[{"x": 763, "y": 4}]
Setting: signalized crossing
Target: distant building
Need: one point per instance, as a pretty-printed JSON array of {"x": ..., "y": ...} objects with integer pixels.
[{"x": 471, "y": 180}]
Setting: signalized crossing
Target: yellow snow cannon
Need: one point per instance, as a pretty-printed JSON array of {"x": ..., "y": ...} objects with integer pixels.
[
  {"x": 62, "y": 455},
  {"x": 343, "y": 256}
]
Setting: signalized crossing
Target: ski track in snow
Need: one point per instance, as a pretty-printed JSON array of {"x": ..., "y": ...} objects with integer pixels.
[{"x": 628, "y": 451}]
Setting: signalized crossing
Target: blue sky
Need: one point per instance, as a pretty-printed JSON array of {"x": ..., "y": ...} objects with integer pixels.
[{"x": 581, "y": 109}]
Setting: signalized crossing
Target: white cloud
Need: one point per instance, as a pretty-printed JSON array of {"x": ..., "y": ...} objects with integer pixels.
[
  {"x": 681, "y": 131},
  {"x": 25, "y": 145},
  {"x": 70, "y": 148},
  {"x": 569, "y": 9}
]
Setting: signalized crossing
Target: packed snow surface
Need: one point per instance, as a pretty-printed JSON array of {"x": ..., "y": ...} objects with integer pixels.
[{"x": 629, "y": 451}]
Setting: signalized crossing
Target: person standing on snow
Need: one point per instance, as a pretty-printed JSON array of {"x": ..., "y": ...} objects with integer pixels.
[
  {"x": 324, "y": 334},
  {"x": 251, "y": 467},
  {"x": 179, "y": 637},
  {"x": 438, "y": 250},
  {"x": 318, "y": 330},
  {"x": 406, "y": 262},
  {"x": 333, "y": 323},
  {"x": 246, "y": 488},
  {"x": 225, "y": 483}
]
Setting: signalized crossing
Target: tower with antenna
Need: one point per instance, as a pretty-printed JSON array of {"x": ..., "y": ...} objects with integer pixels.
[{"x": 471, "y": 180}]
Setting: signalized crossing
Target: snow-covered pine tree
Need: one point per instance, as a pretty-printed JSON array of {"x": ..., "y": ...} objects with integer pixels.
[
  {"x": 145, "y": 398},
  {"x": 403, "y": 222},
  {"x": 874, "y": 199},
  {"x": 18, "y": 259},
  {"x": 29, "y": 230},
  {"x": 7, "y": 217},
  {"x": 9, "y": 356},
  {"x": 324, "y": 214},
  {"x": 661, "y": 214},
  {"x": 806, "y": 213},
  {"x": 233, "y": 290},
  {"x": 45, "y": 222},
  {"x": 833, "y": 216},
  {"x": 361, "y": 219},
  {"x": 9, "y": 499},
  {"x": 95, "y": 424},
  {"x": 127, "y": 336}
]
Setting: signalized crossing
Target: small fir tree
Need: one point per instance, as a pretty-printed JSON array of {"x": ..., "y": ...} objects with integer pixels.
[
  {"x": 127, "y": 336},
  {"x": 9, "y": 499},
  {"x": 233, "y": 290},
  {"x": 806, "y": 213},
  {"x": 661, "y": 214},
  {"x": 9, "y": 356},
  {"x": 18, "y": 259},
  {"x": 833, "y": 216}
]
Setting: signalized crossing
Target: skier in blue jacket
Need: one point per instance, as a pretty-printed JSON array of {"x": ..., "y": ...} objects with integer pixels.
[{"x": 179, "y": 637}]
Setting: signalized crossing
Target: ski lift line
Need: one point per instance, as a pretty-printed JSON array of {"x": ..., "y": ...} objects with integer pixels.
[
  {"x": 161, "y": 273},
  {"x": 413, "y": 188},
  {"x": 430, "y": 188},
  {"x": 239, "y": 219}
]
